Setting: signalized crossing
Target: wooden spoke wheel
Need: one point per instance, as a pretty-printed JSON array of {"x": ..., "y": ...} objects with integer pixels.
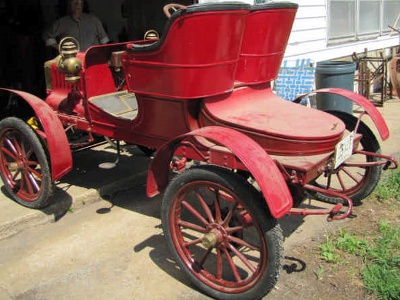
[
  {"x": 24, "y": 167},
  {"x": 355, "y": 180},
  {"x": 221, "y": 234}
]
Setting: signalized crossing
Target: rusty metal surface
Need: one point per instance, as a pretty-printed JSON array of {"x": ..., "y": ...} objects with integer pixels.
[{"x": 394, "y": 67}]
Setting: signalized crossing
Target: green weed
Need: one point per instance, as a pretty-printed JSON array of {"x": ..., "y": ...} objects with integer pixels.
[
  {"x": 351, "y": 243},
  {"x": 379, "y": 249},
  {"x": 381, "y": 275},
  {"x": 389, "y": 187},
  {"x": 319, "y": 272},
  {"x": 328, "y": 251},
  {"x": 381, "y": 258},
  {"x": 342, "y": 242}
]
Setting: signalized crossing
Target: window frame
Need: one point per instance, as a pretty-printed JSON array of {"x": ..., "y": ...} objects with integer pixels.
[{"x": 354, "y": 34}]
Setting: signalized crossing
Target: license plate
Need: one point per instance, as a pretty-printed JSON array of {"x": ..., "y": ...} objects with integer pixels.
[{"x": 343, "y": 150}]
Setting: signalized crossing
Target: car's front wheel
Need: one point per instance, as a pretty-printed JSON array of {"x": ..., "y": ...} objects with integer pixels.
[{"x": 24, "y": 167}]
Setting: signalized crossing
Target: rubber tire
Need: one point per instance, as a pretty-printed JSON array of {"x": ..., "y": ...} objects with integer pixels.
[
  {"x": 46, "y": 186},
  {"x": 254, "y": 203},
  {"x": 369, "y": 143}
]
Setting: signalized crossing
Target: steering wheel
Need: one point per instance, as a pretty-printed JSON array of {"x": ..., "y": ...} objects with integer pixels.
[{"x": 173, "y": 7}]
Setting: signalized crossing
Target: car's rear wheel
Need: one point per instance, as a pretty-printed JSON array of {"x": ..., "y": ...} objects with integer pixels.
[
  {"x": 353, "y": 180},
  {"x": 221, "y": 234}
]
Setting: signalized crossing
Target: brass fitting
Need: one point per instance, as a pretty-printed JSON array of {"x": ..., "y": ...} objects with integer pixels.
[
  {"x": 67, "y": 62},
  {"x": 151, "y": 35}
]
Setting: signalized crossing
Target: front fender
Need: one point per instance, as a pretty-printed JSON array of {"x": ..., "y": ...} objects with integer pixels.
[
  {"x": 57, "y": 142},
  {"x": 252, "y": 155},
  {"x": 367, "y": 105}
]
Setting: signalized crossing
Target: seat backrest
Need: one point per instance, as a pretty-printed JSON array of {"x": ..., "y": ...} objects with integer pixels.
[
  {"x": 196, "y": 56},
  {"x": 268, "y": 27},
  {"x": 97, "y": 60}
]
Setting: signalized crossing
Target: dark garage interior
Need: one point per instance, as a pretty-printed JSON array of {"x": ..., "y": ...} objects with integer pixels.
[{"x": 23, "y": 52}]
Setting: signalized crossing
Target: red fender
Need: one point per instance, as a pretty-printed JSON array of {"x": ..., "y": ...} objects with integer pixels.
[
  {"x": 367, "y": 105},
  {"x": 252, "y": 155},
  {"x": 57, "y": 142}
]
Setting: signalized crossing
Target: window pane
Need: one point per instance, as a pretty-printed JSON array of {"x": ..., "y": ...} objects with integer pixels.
[
  {"x": 391, "y": 9},
  {"x": 369, "y": 16},
  {"x": 342, "y": 19}
]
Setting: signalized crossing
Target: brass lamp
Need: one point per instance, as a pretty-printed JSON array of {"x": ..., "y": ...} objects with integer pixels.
[{"x": 67, "y": 62}]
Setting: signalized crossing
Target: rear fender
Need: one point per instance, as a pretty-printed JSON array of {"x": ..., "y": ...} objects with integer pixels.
[
  {"x": 367, "y": 105},
  {"x": 252, "y": 155},
  {"x": 56, "y": 139}
]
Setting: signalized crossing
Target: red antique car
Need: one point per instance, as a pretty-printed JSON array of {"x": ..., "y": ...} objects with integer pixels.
[{"x": 200, "y": 98}]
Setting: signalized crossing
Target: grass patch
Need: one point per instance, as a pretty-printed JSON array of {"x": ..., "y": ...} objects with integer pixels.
[
  {"x": 380, "y": 257},
  {"x": 377, "y": 251},
  {"x": 333, "y": 249},
  {"x": 381, "y": 275},
  {"x": 389, "y": 187}
]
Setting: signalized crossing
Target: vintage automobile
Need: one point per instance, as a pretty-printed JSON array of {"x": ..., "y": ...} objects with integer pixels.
[{"x": 200, "y": 99}]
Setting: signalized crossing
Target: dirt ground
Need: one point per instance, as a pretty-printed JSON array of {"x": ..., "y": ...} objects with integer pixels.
[{"x": 307, "y": 276}]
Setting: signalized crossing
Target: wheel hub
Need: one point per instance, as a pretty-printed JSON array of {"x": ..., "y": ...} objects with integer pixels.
[
  {"x": 13, "y": 167},
  {"x": 214, "y": 237},
  {"x": 18, "y": 165},
  {"x": 22, "y": 163},
  {"x": 209, "y": 240}
]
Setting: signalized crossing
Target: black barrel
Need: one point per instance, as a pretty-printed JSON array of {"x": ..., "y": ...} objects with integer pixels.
[{"x": 339, "y": 74}]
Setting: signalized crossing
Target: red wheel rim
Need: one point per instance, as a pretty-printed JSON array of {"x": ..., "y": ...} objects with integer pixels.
[
  {"x": 216, "y": 238},
  {"x": 19, "y": 165}
]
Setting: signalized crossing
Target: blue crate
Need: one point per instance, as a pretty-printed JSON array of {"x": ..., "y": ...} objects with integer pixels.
[{"x": 295, "y": 77}]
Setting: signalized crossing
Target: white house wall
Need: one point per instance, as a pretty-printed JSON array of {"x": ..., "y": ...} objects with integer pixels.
[{"x": 309, "y": 37}]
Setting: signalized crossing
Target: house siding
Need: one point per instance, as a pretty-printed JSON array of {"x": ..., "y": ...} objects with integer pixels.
[{"x": 309, "y": 36}]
